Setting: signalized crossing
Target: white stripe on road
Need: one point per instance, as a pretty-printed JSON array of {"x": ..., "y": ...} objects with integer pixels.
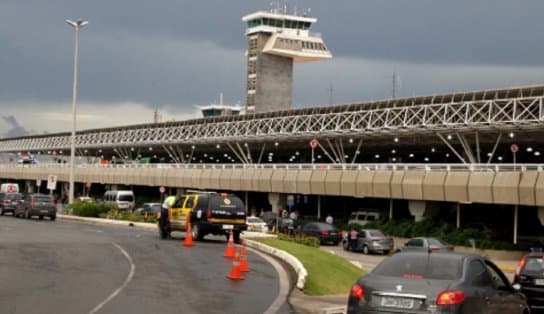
[
  {"x": 284, "y": 283},
  {"x": 123, "y": 286}
]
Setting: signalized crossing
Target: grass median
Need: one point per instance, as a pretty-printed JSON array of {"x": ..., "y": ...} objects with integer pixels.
[{"x": 327, "y": 273}]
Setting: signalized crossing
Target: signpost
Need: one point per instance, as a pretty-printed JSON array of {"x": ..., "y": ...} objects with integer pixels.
[
  {"x": 51, "y": 183},
  {"x": 313, "y": 144},
  {"x": 514, "y": 149}
]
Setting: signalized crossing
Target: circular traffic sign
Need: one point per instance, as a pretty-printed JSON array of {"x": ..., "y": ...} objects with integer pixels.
[
  {"x": 162, "y": 189},
  {"x": 514, "y": 148},
  {"x": 314, "y": 143}
]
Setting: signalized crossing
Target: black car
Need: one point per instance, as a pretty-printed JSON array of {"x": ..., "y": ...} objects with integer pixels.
[
  {"x": 36, "y": 205},
  {"x": 435, "y": 282},
  {"x": 326, "y": 233},
  {"x": 9, "y": 201},
  {"x": 529, "y": 278}
]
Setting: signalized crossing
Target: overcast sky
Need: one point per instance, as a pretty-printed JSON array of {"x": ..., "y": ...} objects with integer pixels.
[{"x": 174, "y": 54}]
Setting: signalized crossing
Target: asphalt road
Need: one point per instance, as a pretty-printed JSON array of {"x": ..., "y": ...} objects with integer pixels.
[{"x": 67, "y": 267}]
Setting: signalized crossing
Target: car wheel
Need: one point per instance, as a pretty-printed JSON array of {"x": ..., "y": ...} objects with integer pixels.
[
  {"x": 386, "y": 252},
  {"x": 365, "y": 250},
  {"x": 40, "y": 217},
  {"x": 2, "y": 213},
  {"x": 197, "y": 233},
  {"x": 53, "y": 217}
]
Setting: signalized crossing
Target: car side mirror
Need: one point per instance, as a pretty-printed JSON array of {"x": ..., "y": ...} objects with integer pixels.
[{"x": 516, "y": 286}]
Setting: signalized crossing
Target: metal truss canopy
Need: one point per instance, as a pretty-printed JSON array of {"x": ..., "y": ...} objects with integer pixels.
[{"x": 478, "y": 110}]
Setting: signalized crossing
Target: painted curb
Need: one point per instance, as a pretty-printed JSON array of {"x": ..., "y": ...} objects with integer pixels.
[
  {"x": 125, "y": 223},
  {"x": 292, "y": 261}
]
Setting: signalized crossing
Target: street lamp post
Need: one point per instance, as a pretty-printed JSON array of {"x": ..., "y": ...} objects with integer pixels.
[{"x": 76, "y": 25}]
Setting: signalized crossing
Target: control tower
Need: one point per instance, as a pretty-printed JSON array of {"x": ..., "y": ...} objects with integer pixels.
[{"x": 276, "y": 40}]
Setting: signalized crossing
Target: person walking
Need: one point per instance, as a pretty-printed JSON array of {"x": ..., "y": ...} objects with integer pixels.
[{"x": 353, "y": 239}]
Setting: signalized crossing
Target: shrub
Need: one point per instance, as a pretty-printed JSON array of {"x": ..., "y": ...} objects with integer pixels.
[
  {"x": 308, "y": 241},
  {"x": 86, "y": 209}
]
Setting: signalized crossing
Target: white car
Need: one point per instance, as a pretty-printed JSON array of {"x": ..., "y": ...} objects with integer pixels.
[{"x": 256, "y": 224}]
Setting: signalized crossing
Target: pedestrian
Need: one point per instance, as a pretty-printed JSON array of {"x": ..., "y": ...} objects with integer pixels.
[
  {"x": 329, "y": 219},
  {"x": 353, "y": 239}
]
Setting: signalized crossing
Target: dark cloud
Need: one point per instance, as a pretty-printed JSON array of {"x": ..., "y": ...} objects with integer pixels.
[
  {"x": 170, "y": 52},
  {"x": 15, "y": 128}
]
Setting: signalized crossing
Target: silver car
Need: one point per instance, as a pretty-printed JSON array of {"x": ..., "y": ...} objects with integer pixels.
[
  {"x": 425, "y": 244},
  {"x": 370, "y": 240}
]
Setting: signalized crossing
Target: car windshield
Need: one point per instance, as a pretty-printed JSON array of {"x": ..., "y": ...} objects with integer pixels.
[
  {"x": 376, "y": 233},
  {"x": 421, "y": 266},
  {"x": 42, "y": 198},
  {"x": 254, "y": 220},
  {"x": 534, "y": 264},
  {"x": 14, "y": 196}
]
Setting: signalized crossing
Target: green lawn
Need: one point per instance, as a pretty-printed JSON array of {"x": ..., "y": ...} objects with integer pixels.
[{"x": 327, "y": 273}]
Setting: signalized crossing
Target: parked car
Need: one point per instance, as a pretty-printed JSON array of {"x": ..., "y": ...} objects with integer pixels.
[
  {"x": 256, "y": 224},
  {"x": 9, "y": 201},
  {"x": 363, "y": 217},
  {"x": 123, "y": 200},
  {"x": 36, "y": 205},
  {"x": 151, "y": 209},
  {"x": 325, "y": 232},
  {"x": 370, "y": 241},
  {"x": 529, "y": 278},
  {"x": 425, "y": 244},
  {"x": 431, "y": 282}
]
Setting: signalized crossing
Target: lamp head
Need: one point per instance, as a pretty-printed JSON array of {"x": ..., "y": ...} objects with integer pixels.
[{"x": 79, "y": 23}]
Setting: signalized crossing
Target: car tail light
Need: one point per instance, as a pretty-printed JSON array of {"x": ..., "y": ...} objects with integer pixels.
[
  {"x": 357, "y": 292},
  {"x": 32, "y": 202},
  {"x": 6, "y": 201},
  {"x": 521, "y": 265},
  {"x": 434, "y": 248},
  {"x": 324, "y": 233},
  {"x": 209, "y": 214},
  {"x": 450, "y": 297}
]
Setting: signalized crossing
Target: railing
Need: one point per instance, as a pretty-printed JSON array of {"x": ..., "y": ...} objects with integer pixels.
[{"x": 367, "y": 167}]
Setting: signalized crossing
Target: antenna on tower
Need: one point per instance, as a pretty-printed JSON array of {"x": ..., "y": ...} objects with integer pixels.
[
  {"x": 285, "y": 6},
  {"x": 394, "y": 84}
]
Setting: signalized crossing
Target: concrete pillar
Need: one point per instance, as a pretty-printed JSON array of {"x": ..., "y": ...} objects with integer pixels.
[
  {"x": 417, "y": 209},
  {"x": 516, "y": 209},
  {"x": 391, "y": 209},
  {"x": 540, "y": 214},
  {"x": 458, "y": 216},
  {"x": 277, "y": 201},
  {"x": 30, "y": 186}
]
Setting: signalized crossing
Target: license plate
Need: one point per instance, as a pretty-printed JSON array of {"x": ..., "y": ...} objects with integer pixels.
[
  {"x": 539, "y": 282},
  {"x": 400, "y": 303},
  {"x": 44, "y": 211},
  {"x": 228, "y": 227}
]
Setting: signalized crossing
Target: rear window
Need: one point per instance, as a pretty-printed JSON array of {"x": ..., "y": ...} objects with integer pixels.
[
  {"x": 437, "y": 242},
  {"x": 424, "y": 266},
  {"x": 534, "y": 264},
  {"x": 126, "y": 198},
  {"x": 14, "y": 196},
  {"x": 226, "y": 203},
  {"x": 376, "y": 233},
  {"x": 42, "y": 198}
]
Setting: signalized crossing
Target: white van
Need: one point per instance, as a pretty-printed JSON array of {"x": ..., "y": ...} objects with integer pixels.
[
  {"x": 123, "y": 200},
  {"x": 363, "y": 217}
]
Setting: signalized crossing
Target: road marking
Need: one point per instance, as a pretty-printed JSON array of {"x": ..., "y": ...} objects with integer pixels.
[
  {"x": 123, "y": 286},
  {"x": 284, "y": 283}
]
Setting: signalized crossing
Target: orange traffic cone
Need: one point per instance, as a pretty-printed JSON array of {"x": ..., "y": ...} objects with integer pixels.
[
  {"x": 229, "y": 252},
  {"x": 188, "y": 241},
  {"x": 235, "y": 272},
  {"x": 243, "y": 259}
]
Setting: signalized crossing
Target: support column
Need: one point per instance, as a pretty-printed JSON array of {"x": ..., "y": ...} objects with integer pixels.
[
  {"x": 458, "y": 220},
  {"x": 391, "y": 209},
  {"x": 319, "y": 207},
  {"x": 417, "y": 209},
  {"x": 246, "y": 201},
  {"x": 277, "y": 201},
  {"x": 516, "y": 224}
]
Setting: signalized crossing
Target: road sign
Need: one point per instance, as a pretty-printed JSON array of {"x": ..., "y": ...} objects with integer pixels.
[
  {"x": 314, "y": 143},
  {"x": 51, "y": 182},
  {"x": 162, "y": 189},
  {"x": 514, "y": 148},
  {"x": 290, "y": 200},
  {"x": 38, "y": 182}
]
